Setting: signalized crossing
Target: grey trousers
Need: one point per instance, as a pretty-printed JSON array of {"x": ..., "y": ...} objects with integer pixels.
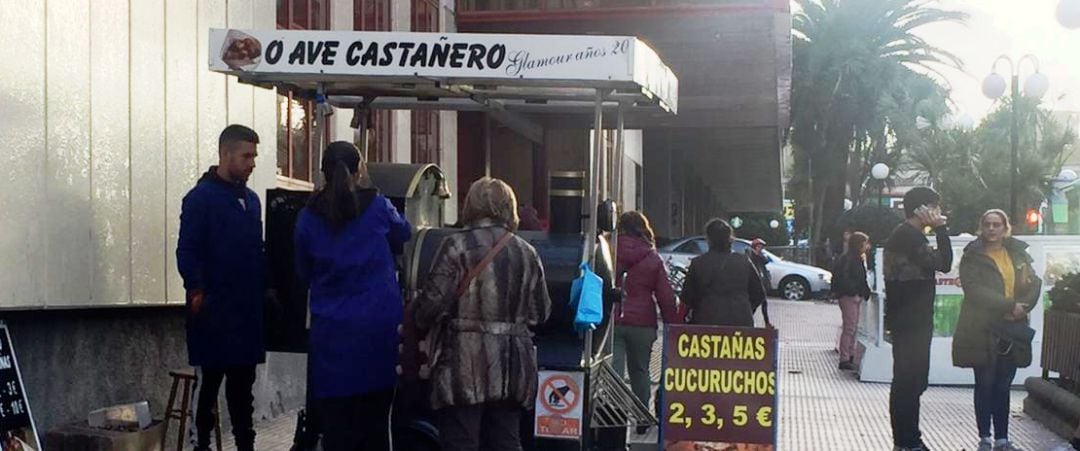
[{"x": 633, "y": 350}]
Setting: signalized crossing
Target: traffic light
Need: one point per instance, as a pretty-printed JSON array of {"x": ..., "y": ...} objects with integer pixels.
[{"x": 1033, "y": 218}]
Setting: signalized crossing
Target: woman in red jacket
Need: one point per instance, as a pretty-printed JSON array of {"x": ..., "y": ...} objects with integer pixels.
[{"x": 645, "y": 284}]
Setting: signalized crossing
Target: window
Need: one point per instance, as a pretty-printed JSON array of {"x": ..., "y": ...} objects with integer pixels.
[
  {"x": 425, "y": 137},
  {"x": 294, "y": 147},
  {"x": 371, "y": 15},
  {"x": 374, "y": 15},
  {"x": 297, "y": 156},
  {"x": 425, "y": 15},
  {"x": 425, "y": 123},
  {"x": 303, "y": 14},
  {"x": 518, "y": 5}
]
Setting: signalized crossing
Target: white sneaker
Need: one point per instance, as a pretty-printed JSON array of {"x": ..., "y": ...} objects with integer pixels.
[{"x": 986, "y": 444}]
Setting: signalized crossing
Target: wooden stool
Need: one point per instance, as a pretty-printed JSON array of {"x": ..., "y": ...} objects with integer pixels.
[{"x": 187, "y": 377}]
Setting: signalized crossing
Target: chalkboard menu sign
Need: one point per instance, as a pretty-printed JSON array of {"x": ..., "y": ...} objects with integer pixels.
[{"x": 17, "y": 431}]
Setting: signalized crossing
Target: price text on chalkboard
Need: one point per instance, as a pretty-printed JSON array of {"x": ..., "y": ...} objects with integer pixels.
[
  {"x": 719, "y": 385},
  {"x": 14, "y": 410}
]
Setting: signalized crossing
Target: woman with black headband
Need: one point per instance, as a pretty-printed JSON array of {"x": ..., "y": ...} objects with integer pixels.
[{"x": 344, "y": 251}]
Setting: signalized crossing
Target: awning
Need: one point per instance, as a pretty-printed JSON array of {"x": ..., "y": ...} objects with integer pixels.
[{"x": 526, "y": 74}]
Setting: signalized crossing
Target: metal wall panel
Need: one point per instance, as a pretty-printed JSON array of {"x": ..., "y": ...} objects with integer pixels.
[
  {"x": 182, "y": 67},
  {"x": 110, "y": 145},
  {"x": 22, "y": 138},
  {"x": 212, "y": 93},
  {"x": 264, "y": 110},
  {"x": 110, "y": 116},
  {"x": 240, "y": 96},
  {"x": 67, "y": 179},
  {"x": 148, "y": 175}
]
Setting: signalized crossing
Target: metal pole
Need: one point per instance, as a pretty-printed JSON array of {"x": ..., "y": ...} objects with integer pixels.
[
  {"x": 487, "y": 145},
  {"x": 1014, "y": 136},
  {"x": 813, "y": 203},
  {"x": 620, "y": 154},
  {"x": 617, "y": 165},
  {"x": 593, "y": 182}
]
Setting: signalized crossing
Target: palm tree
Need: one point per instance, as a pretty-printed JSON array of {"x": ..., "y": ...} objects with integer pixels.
[
  {"x": 848, "y": 55},
  {"x": 970, "y": 168}
]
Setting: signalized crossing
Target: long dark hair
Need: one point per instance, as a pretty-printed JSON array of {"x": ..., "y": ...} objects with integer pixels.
[
  {"x": 635, "y": 223},
  {"x": 720, "y": 235},
  {"x": 336, "y": 201}
]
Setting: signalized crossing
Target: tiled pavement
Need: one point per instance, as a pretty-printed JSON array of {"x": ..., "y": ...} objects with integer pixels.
[{"x": 822, "y": 408}]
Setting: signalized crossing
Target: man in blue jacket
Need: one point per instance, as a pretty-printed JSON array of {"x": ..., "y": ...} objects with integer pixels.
[{"x": 220, "y": 256}]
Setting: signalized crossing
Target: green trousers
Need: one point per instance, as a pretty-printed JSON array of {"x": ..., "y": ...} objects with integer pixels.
[{"x": 633, "y": 350}]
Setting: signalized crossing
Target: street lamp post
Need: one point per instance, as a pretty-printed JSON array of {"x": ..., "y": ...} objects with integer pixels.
[
  {"x": 1035, "y": 87},
  {"x": 880, "y": 172},
  {"x": 1068, "y": 14}
]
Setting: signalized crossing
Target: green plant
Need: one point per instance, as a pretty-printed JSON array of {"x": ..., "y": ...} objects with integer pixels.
[
  {"x": 1065, "y": 296},
  {"x": 874, "y": 220},
  {"x": 859, "y": 84}
]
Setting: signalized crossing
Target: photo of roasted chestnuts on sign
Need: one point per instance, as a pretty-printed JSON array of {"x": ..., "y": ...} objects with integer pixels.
[{"x": 241, "y": 51}]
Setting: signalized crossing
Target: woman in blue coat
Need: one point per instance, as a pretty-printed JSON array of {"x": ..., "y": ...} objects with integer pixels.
[{"x": 344, "y": 242}]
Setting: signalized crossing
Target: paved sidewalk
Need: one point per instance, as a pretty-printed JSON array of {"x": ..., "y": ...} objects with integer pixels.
[{"x": 822, "y": 408}]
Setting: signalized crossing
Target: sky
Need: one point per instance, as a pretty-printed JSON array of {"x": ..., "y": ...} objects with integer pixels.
[{"x": 1013, "y": 28}]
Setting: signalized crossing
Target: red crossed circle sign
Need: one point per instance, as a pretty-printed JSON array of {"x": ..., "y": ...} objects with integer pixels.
[{"x": 559, "y": 394}]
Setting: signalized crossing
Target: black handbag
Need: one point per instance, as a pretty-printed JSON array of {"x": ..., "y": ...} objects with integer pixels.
[{"x": 1012, "y": 340}]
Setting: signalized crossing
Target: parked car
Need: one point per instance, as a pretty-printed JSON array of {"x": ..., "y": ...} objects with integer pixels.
[{"x": 794, "y": 281}]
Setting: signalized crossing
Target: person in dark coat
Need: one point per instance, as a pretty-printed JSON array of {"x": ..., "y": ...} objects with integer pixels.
[
  {"x": 999, "y": 286},
  {"x": 484, "y": 368},
  {"x": 530, "y": 219},
  {"x": 344, "y": 241},
  {"x": 220, "y": 257},
  {"x": 645, "y": 286},
  {"x": 910, "y": 287},
  {"x": 761, "y": 262},
  {"x": 850, "y": 288},
  {"x": 722, "y": 288}
]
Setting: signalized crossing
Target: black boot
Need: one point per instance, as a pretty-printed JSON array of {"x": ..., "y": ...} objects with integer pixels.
[
  {"x": 1075, "y": 443},
  {"x": 245, "y": 441}
]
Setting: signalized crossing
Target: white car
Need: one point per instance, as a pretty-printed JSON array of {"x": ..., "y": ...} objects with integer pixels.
[{"x": 794, "y": 281}]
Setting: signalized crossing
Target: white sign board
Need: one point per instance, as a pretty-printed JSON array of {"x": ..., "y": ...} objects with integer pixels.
[
  {"x": 1054, "y": 257},
  {"x": 561, "y": 60},
  {"x": 559, "y": 400}
]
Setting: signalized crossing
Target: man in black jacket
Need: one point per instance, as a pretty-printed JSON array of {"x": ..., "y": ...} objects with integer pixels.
[{"x": 910, "y": 287}]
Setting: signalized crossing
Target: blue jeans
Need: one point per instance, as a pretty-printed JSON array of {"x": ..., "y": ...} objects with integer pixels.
[{"x": 992, "y": 385}]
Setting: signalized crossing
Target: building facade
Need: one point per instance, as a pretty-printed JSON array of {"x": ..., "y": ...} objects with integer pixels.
[
  {"x": 721, "y": 155},
  {"x": 110, "y": 117}
]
